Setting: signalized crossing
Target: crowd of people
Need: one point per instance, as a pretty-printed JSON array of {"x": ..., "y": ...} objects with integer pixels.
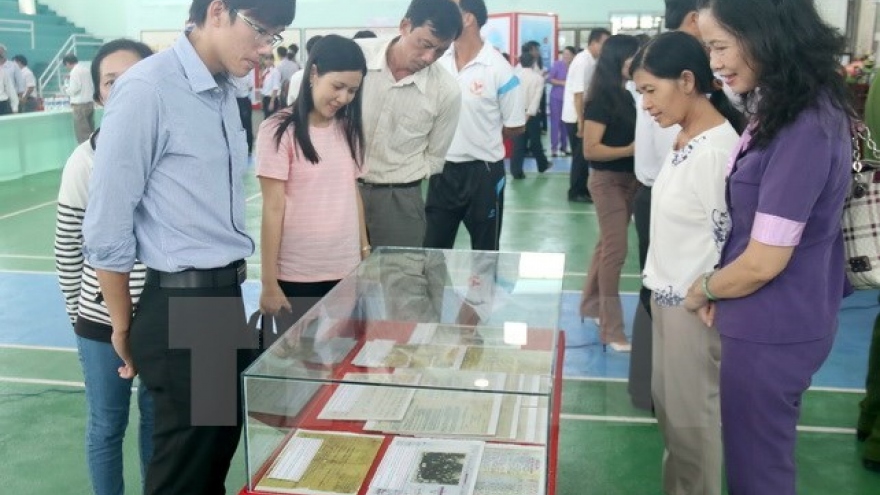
[{"x": 726, "y": 140}]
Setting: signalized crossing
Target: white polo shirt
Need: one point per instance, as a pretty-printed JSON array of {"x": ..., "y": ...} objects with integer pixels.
[
  {"x": 491, "y": 99},
  {"x": 29, "y": 80},
  {"x": 80, "y": 89},
  {"x": 580, "y": 72},
  {"x": 271, "y": 81}
]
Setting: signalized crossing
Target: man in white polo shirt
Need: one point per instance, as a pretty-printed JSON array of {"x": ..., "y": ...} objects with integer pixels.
[
  {"x": 471, "y": 187},
  {"x": 580, "y": 73},
  {"x": 81, "y": 93},
  {"x": 410, "y": 110}
]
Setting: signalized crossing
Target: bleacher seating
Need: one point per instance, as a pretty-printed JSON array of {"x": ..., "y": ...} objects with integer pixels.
[{"x": 50, "y": 29}]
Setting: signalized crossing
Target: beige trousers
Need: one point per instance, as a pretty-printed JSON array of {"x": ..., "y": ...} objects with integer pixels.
[
  {"x": 684, "y": 383},
  {"x": 613, "y": 194},
  {"x": 83, "y": 120}
]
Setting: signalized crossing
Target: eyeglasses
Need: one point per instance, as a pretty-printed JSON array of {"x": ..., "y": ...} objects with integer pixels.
[{"x": 263, "y": 37}]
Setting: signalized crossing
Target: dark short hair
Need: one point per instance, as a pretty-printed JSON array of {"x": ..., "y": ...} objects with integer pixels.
[
  {"x": 311, "y": 42},
  {"x": 271, "y": 13},
  {"x": 109, "y": 48},
  {"x": 69, "y": 59},
  {"x": 527, "y": 59},
  {"x": 364, "y": 34},
  {"x": 677, "y": 10},
  {"x": 20, "y": 59},
  {"x": 442, "y": 16},
  {"x": 596, "y": 34},
  {"x": 292, "y": 50},
  {"x": 670, "y": 54},
  {"x": 477, "y": 8},
  {"x": 281, "y": 51}
]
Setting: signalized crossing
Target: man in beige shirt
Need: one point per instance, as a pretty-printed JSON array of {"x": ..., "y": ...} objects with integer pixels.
[{"x": 410, "y": 113}]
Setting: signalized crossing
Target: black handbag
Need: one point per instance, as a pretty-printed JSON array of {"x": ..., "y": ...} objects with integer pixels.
[{"x": 263, "y": 330}]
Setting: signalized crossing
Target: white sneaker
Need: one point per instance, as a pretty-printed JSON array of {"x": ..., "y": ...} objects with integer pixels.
[{"x": 620, "y": 347}]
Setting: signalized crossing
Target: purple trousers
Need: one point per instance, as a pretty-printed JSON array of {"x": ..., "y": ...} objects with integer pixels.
[
  {"x": 761, "y": 390},
  {"x": 558, "y": 133}
]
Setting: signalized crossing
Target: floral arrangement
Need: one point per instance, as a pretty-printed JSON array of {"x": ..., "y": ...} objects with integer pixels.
[{"x": 861, "y": 70}]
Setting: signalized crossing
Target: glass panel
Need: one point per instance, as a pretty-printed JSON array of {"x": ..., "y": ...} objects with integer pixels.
[
  {"x": 418, "y": 354},
  {"x": 438, "y": 312},
  {"x": 566, "y": 37}
]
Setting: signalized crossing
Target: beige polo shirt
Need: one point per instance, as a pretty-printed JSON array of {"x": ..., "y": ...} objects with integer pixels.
[{"x": 408, "y": 124}]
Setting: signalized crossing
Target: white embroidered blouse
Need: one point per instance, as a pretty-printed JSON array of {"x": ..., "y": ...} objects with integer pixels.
[{"x": 689, "y": 219}]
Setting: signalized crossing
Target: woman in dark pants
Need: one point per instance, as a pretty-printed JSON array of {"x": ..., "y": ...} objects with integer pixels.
[{"x": 869, "y": 419}]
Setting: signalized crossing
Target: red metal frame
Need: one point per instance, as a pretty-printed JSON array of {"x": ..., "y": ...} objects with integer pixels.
[{"x": 516, "y": 43}]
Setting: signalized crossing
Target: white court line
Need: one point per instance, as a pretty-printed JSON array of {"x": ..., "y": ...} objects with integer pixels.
[
  {"x": 551, "y": 212},
  {"x": 37, "y": 381},
  {"x": 638, "y": 420},
  {"x": 584, "y": 274},
  {"x": 256, "y": 265},
  {"x": 838, "y": 389},
  {"x": 608, "y": 419},
  {"x": 32, "y": 208},
  {"x": 23, "y": 347},
  {"x": 827, "y": 429},
  {"x": 30, "y": 272},
  {"x": 594, "y": 379},
  {"x": 26, "y": 257},
  {"x": 624, "y": 380}
]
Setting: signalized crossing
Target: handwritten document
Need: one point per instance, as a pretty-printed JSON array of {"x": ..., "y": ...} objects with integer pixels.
[{"x": 322, "y": 463}]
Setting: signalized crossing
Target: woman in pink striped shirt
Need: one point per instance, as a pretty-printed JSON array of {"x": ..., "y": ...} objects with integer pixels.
[{"x": 309, "y": 157}]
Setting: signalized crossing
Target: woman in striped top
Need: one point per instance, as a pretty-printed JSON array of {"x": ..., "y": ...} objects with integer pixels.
[
  {"x": 107, "y": 393},
  {"x": 308, "y": 158}
]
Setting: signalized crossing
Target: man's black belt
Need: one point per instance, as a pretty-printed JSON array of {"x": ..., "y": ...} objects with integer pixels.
[
  {"x": 233, "y": 274},
  {"x": 403, "y": 185}
]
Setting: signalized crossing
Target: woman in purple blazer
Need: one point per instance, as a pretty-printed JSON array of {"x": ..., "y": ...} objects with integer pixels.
[{"x": 776, "y": 295}]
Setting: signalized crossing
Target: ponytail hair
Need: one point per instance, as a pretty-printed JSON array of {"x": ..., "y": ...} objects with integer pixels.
[
  {"x": 725, "y": 107},
  {"x": 669, "y": 54}
]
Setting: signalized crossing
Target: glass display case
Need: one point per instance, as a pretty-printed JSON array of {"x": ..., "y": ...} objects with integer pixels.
[{"x": 422, "y": 372}]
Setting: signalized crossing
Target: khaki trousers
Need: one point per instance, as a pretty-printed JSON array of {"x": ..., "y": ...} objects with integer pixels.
[
  {"x": 613, "y": 194},
  {"x": 684, "y": 382},
  {"x": 83, "y": 120}
]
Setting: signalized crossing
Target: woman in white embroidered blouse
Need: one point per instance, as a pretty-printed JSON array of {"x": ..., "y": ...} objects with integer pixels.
[{"x": 689, "y": 224}]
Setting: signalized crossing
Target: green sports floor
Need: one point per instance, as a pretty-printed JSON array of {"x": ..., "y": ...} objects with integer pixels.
[{"x": 607, "y": 447}]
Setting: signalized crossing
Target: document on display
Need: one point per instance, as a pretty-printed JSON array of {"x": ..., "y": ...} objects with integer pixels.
[
  {"x": 352, "y": 402},
  {"x": 322, "y": 463},
  {"x": 512, "y": 470},
  {"x": 427, "y": 466}
]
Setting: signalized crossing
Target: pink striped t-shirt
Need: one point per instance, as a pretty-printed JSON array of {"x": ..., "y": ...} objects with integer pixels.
[{"x": 320, "y": 237}]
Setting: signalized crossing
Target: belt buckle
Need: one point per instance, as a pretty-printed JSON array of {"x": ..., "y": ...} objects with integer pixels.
[{"x": 241, "y": 272}]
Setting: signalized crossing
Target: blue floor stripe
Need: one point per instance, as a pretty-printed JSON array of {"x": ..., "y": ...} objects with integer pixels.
[{"x": 34, "y": 315}]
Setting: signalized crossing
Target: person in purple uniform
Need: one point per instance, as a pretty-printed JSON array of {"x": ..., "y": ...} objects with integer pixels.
[
  {"x": 781, "y": 279},
  {"x": 556, "y": 77}
]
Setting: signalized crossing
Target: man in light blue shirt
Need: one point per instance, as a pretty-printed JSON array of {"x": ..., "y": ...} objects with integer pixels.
[{"x": 167, "y": 188}]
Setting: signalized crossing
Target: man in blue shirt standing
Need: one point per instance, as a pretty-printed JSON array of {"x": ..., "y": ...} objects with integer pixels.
[{"x": 167, "y": 188}]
